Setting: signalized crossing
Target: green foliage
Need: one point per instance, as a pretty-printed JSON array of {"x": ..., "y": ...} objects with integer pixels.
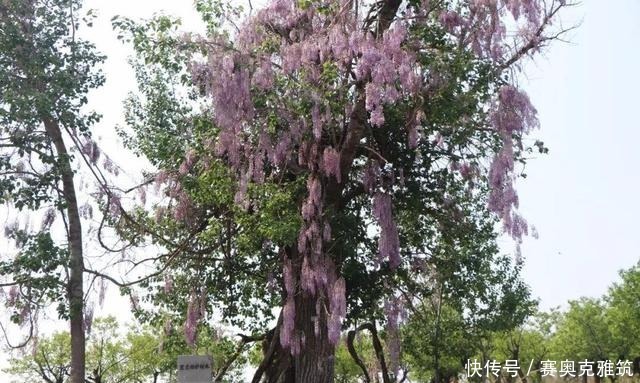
[
  {"x": 45, "y": 75},
  {"x": 231, "y": 254},
  {"x": 45, "y": 71},
  {"x": 49, "y": 360},
  {"x": 45, "y": 68},
  {"x": 165, "y": 119},
  {"x": 347, "y": 371},
  {"x": 37, "y": 269},
  {"x": 116, "y": 356},
  {"x": 473, "y": 299},
  {"x": 528, "y": 343},
  {"x": 583, "y": 332},
  {"x": 593, "y": 329},
  {"x": 623, "y": 314}
]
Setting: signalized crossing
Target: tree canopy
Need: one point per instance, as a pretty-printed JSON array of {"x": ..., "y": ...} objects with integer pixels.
[{"x": 324, "y": 158}]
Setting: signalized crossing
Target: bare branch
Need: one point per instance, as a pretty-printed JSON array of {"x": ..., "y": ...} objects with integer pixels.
[{"x": 537, "y": 38}]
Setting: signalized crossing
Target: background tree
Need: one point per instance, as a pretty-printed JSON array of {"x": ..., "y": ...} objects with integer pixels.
[
  {"x": 137, "y": 355},
  {"x": 529, "y": 344},
  {"x": 347, "y": 370},
  {"x": 45, "y": 74},
  {"x": 583, "y": 332},
  {"x": 623, "y": 315},
  {"x": 591, "y": 329},
  {"x": 49, "y": 362},
  {"x": 480, "y": 294}
]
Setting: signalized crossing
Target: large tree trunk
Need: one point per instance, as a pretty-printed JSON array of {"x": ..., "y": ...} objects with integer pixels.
[
  {"x": 315, "y": 362},
  {"x": 76, "y": 261}
]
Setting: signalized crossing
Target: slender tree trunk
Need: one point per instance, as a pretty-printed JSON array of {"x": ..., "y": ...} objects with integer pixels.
[
  {"x": 75, "y": 289},
  {"x": 76, "y": 261},
  {"x": 97, "y": 376},
  {"x": 596, "y": 377},
  {"x": 436, "y": 342}
]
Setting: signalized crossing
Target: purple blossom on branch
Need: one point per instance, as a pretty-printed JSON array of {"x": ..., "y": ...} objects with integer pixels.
[
  {"x": 288, "y": 322},
  {"x": 389, "y": 242},
  {"x": 193, "y": 317}
]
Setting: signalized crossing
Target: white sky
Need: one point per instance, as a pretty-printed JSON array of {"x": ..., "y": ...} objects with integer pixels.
[{"x": 580, "y": 197}]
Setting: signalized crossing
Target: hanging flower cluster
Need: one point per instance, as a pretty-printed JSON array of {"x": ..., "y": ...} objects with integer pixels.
[
  {"x": 196, "y": 310},
  {"x": 512, "y": 115}
]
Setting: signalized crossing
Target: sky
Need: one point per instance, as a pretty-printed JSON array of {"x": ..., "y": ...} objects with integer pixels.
[{"x": 580, "y": 197}]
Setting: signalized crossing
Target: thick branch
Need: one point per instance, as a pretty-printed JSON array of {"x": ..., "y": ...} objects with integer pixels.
[
  {"x": 354, "y": 354},
  {"x": 377, "y": 346},
  {"x": 244, "y": 340},
  {"x": 273, "y": 342},
  {"x": 386, "y": 15}
]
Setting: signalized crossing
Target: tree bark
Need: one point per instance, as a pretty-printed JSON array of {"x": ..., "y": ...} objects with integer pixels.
[
  {"x": 354, "y": 354},
  {"x": 377, "y": 347},
  {"x": 315, "y": 362},
  {"x": 75, "y": 288}
]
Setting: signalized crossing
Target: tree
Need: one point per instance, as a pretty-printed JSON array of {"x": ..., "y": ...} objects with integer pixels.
[
  {"x": 347, "y": 370},
  {"x": 326, "y": 119},
  {"x": 529, "y": 344},
  {"x": 478, "y": 295},
  {"x": 601, "y": 329},
  {"x": 583, "y": 333},
  {"x": 49, "y": 362},
  {"x": 139, "y": 355},
  {"x": 46, "y": 72},
  {"x": 623, "y": 314}
]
